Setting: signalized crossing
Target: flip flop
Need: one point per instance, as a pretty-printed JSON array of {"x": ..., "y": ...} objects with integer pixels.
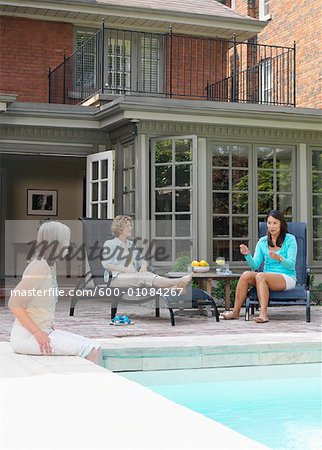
[
  {"x": 121, "y": 321},
  {"x": 260, "y": 320}
]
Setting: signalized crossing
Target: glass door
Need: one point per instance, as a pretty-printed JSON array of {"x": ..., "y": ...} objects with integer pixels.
[
  {"x": 100, "y": 185},
  {"x": 173, "y": 197}
]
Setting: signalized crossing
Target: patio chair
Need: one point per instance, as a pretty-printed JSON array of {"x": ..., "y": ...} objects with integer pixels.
[
  {"x": 193, "y": 298},
  {"x": 95, "y": 233},
  {"x": 300, "y": 295}
]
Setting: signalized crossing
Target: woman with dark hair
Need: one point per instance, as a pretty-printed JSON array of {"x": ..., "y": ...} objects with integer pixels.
[{"x": 278, "y": 250}]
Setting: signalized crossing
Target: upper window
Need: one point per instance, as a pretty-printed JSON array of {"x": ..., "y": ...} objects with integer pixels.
[
  {"x": 133, "y": 61},
  {"x": 264, "y": 10},
  {"x": 85, "y": 61}
]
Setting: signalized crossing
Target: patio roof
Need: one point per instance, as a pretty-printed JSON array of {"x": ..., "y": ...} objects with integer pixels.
[{"x": 202, "y": 17}]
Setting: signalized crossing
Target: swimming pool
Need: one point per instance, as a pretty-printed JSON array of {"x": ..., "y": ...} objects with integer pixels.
[{"x": 278, "y": 406}]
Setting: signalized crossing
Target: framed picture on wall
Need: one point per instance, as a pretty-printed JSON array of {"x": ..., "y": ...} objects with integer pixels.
[{"x": 41, "y": 202}]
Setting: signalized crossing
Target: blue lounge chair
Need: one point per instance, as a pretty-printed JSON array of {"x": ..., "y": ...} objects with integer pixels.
[{"x": 300, "y": 295}]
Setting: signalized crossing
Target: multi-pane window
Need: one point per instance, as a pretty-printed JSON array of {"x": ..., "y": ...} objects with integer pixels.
[
  {"x": 129, "y": 180},
  {"x": 275, "y": 185},
  {"x": 85, "y": 60},
  {"x": 172, "y": 204},
  {"x": 149, "y": 68},
  {"x": 242, "y": 197},
  {"x": 230, "y": 207},
  {"x": 265, "y": 81},
  {"x": 118, "y": 61},
  {"x": 317, "y": 203},
  {"x": 100, "y": 185},
  {"x": 133, "y": 62}
]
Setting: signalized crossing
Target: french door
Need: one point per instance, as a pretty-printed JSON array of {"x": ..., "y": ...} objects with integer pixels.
[
  {"x": 173, "y": 196},
  {"x": 100, "y": 185}
]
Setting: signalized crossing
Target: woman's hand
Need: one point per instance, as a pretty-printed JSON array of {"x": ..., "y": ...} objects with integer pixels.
[
  {"x": 130, "y": 269},
  {"x": 144, "y": 267},
  {"x": 44, "y": 342},
  {"x": 274, "y": 255},
  {"x": 244, "y": 250}
]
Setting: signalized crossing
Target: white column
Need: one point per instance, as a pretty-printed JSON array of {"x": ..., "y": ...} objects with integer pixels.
[
  {"x": 303, "y": 192},
  {"x": 142, "y": 187},
  {"x": 204, "y": 203}
]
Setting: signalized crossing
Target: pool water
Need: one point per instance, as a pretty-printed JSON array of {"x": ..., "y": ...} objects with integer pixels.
[{"x": 278, "y": 406}]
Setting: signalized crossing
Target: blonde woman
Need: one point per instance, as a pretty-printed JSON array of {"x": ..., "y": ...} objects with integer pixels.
[
  {"x": 33, "y": 302},
  {"x": 126, "y": 264}
]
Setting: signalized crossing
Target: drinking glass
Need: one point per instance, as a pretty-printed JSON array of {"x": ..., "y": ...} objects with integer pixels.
[{"x": 220, "y": 261}]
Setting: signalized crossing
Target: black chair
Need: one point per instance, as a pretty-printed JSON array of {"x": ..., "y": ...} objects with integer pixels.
[
  {"x": 300, "y": 295},
  {"x": 193, "y": 298},
  {"x": 95, "y": 233}
]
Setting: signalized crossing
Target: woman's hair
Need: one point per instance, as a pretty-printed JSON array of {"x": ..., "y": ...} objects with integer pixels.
[
  {"x": 279, "y": 216},
  {"x": 52, "y": 238},
  {"x": 119, "y": 224}
]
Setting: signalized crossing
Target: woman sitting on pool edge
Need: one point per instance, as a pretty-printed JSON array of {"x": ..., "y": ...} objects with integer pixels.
[
  {"x": 34, "y": 332},
  {"x": 278, "y": 250},
  {"x": 126, "y": 264}
]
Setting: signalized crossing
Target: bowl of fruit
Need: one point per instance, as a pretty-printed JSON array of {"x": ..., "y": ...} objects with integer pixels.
[{"x": 200, "y": 266}]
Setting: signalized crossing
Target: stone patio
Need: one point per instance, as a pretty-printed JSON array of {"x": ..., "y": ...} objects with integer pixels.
[{"x": 92, "y": 319}]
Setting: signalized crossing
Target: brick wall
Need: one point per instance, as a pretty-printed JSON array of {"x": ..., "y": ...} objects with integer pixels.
[
  {"x": 28, "y": 48},
  {"x": 196, "y": 61},
  {"x": 298, "y": 21}
]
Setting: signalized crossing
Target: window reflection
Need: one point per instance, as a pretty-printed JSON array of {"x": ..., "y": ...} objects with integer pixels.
[
  {"x": 220, "y": 179},
  {"x": 163, "y": 200},
  {"x": 183, "y": 200}
]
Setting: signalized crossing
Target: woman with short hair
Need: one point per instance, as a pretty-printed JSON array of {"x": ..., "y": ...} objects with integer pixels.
[
  {"x": 127, "y": 266},
  {"x": 33, "y": 302}
]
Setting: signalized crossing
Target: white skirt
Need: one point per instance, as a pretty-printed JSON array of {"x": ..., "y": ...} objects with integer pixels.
[{"x": 63, "y": 343}]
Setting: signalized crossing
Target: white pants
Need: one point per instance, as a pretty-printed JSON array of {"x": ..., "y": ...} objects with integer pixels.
[
  {"x": 63, "y": 343},
  {"x": 134, "y": 280}
]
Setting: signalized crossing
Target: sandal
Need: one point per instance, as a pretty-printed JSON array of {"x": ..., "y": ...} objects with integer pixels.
[{"x": 121, "y": 320}]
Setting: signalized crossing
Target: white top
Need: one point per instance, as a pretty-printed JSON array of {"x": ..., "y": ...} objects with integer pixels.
[{"x": 38, "y": 295}]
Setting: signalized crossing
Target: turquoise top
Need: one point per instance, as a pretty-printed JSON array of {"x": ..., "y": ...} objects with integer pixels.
[{"x": 288, "y": 251}]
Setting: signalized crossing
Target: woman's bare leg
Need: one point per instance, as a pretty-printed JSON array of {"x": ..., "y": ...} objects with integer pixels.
[
  {"x": 94, "y": 356},
  {"x": 246, "y": 279},
  {"x": 266, "y": 282}
]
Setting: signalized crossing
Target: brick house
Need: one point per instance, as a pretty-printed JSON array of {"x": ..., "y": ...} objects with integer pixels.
[{"x": 192, "y": 115}]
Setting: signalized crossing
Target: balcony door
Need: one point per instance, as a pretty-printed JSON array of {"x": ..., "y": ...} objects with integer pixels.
[{"x": 133, "y": 62}]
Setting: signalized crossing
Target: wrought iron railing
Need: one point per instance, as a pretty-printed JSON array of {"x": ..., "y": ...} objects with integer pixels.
[{"x": 169, "y": 65}]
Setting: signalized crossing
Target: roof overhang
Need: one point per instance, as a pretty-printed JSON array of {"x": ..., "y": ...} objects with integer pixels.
[
  {"x": 133, "y": 109},
  {"x": 205, "y": 112},
  {"x": 133, "y": 18}
]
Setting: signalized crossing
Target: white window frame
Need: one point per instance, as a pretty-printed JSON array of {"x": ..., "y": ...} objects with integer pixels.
[
  {"x": 98, "y": 157},
  {"x": 262, "y": 15},
  {"x": 266, "y": 81},
  {"x": 194, "y": 203}
]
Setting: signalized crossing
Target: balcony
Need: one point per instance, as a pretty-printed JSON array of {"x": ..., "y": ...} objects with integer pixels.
[{"x": 121, "y": 62}]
